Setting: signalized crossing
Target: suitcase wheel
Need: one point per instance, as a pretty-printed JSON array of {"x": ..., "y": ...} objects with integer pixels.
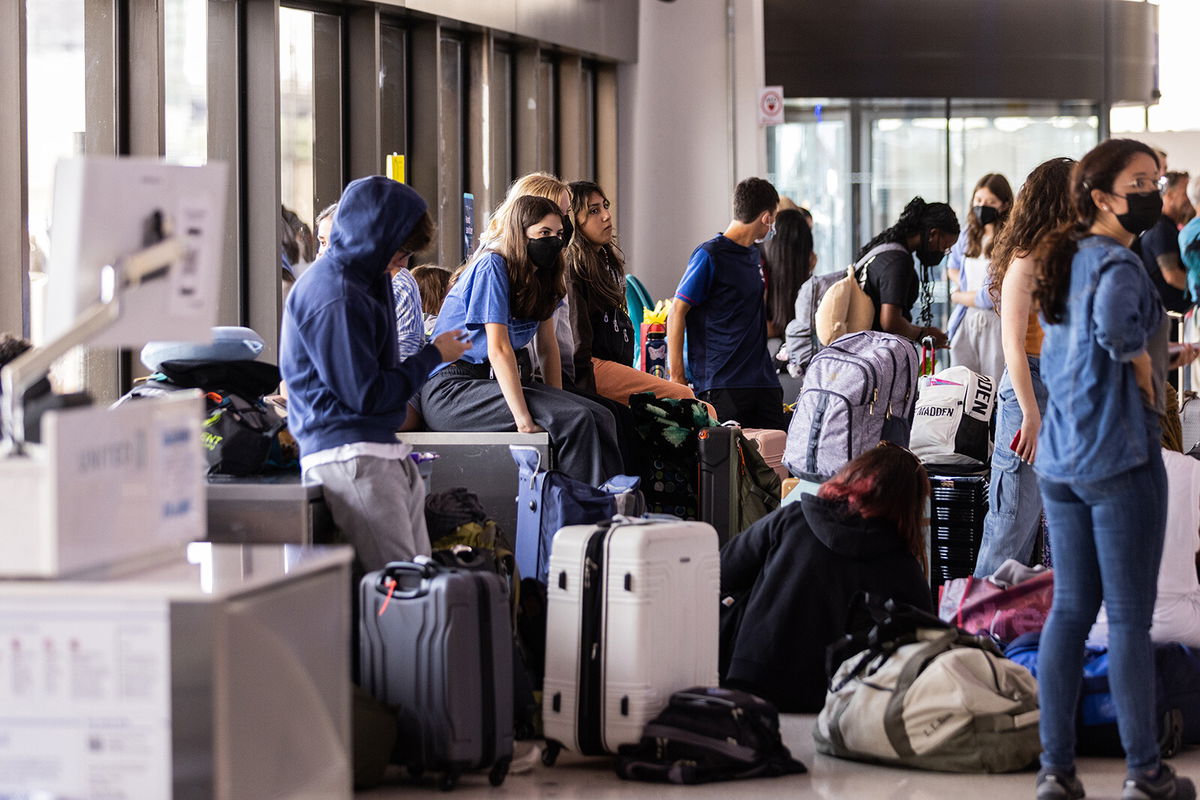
[
  {"x": 448, "y": 781},
  {"x": 499, "y": 772},
  {"x": 1171, "y": 741},
  {"x": 550, "y": 754}
]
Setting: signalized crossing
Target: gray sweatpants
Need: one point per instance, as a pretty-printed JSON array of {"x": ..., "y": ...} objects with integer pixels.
[{"x": 378, "y": 504}]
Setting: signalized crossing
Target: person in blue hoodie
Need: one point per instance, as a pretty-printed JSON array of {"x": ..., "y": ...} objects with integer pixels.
[{"x": 348, "y": 392}]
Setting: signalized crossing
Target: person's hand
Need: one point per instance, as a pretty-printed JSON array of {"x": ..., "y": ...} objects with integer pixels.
[
  {"x": 939, "y": 339},
  {"x": 1183, "y": 354},
  {"x": 452, "y": 344},
  {"x": 1026, "y": 448},
  {"x": 681, "y": 380},
  {"x": 527, "y": 425}
]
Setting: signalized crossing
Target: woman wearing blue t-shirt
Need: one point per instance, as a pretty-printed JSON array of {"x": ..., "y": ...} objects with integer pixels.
[
  {"x": 504, "y": 299},
  {"x": 1102, "y": 478}
]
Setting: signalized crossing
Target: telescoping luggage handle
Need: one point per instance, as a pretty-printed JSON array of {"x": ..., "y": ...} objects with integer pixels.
[{"x": 928, "y": 357}]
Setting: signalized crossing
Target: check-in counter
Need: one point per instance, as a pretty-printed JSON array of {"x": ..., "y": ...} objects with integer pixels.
[{"x": 267, "y": 509}]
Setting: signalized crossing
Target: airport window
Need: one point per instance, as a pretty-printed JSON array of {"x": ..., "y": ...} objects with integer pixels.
[
  {"x": 547, "y": 114},
  {"x": 454, "y": 154},
  {"x": 393, "y": 87},
  {"x": 588, "y": 101},
  {"x": 56, "y": 121},
  {"x": 501, "y": 129},
  {"x": 856, "y": 163},
  {"x": 810, "y": 163},
  {"x": 296, "y": 111},
  {"x": 185, "y": 80}
]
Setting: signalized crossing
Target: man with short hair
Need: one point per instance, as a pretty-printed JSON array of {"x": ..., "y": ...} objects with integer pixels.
[
  {"x": 1159, "y": 246},
  {"x": 347, "y": 391},
  {"x": 721, "y": 306}
]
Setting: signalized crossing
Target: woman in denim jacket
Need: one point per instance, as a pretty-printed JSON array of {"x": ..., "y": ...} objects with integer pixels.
[{"x": 1102, "y": 476}]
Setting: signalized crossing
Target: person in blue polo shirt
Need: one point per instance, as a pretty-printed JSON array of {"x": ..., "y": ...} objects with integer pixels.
[{"x": 720, "y": 303}]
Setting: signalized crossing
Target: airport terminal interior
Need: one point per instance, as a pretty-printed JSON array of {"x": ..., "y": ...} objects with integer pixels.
[{"x": 579, "y": 399}]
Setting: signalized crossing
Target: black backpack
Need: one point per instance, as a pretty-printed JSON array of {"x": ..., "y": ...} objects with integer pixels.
[
  {"x": 240, "y": 435},
  {"x": 709, "y": 734}
]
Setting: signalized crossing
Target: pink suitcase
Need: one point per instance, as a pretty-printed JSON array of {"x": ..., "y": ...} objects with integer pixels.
[{"x": 770, "y": 446}]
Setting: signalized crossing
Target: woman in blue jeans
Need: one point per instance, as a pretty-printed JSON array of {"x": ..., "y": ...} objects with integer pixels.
[
  {"x": 1014, "y": 504},
  {"x": 1101, "y": 470}
]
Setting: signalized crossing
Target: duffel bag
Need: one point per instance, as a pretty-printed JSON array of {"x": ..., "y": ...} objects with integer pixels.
[{"x": 926, "y": 695}]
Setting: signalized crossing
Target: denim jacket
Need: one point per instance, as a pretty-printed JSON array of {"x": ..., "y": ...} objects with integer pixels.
[{"x": 1096, "y": 423}]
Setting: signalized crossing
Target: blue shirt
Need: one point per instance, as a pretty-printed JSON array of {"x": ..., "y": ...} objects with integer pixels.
[
  {"x": 410, "y": 316},
  {"x": 479, "y": 296},
  {"x": 1096, "y": 423},
  {"x": 1189, "y": 254},
  {"x": 727, "y": 323}
]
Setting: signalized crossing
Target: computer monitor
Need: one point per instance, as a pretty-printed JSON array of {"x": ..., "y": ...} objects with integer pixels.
[{"x": 106, "y": 208}]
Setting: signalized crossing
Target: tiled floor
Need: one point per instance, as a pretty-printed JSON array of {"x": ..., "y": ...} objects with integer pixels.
[{"x": 828, "y": 778}]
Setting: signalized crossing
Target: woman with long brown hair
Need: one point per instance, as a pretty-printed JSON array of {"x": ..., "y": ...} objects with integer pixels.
[
  {"x": 1014, "y": 504},
  {"x": 787, "y": 580},
  {"x": 604, "y": 338},
  {"x": 504, "y": 298},
  {"x": 974, "y": 328},
  {"x": 1099, "y": 463}
]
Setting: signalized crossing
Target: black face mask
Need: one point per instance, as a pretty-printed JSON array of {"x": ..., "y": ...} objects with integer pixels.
[
  {"x": 544, "y": 252},
  {"x": 928, "y": 256},
  {"x": 985, "y": 215},
  {"x": 1144, "y": 210},
  {"x": 568, "y": 230}
]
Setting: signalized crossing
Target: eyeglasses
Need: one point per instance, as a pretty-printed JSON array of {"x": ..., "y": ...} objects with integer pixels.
[{"x": 1141, "y": 186}]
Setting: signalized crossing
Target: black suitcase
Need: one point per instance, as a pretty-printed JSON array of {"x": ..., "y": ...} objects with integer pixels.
[
  {"x": 728, "y": 461},
  {"x": 718, "y": 487},
  {"x": 436, "y": 642},
  {"x": 958, "y": 503}
]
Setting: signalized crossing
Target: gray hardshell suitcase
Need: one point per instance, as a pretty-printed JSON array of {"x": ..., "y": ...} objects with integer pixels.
[
  {"x": 436, "y": 643},
  {"x": 858, "y": 391}
]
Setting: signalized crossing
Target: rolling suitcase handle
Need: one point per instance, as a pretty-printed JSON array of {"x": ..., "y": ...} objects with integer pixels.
[{"x": 389, "y": 578}]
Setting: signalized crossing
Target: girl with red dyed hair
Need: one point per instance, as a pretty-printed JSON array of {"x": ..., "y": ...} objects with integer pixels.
[{"x": 787, "y": 581}]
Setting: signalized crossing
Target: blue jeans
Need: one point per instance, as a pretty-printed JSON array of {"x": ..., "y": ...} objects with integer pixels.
[
  {"x": 1014, "y": 505},
  {"x": 1107, "y": 537}
]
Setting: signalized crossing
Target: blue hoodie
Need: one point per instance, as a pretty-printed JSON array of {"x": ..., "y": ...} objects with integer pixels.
[{"x": 338, "y": 345}]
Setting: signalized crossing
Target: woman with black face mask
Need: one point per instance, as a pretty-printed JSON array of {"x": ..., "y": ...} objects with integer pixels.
[
  {"x": 504, "y": 298},
  {"x": 1099, "y": 463},
  {"x": 888, "y": 276},
  {"x": 974, "y": 330}
]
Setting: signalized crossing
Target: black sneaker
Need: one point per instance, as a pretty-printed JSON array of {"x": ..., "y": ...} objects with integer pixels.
[
  {"x": 1054, "y": 783},
  {"x": 1165, "y": 787}
]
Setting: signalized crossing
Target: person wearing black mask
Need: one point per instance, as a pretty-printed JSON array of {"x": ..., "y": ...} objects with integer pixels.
[
  {"x": 924, "y": 230},
  {"x": 1158, "y": 246},
  {"x": 1099, "y": 463},
  {"x": 974, "y": 330},
  {"x": 504, "y": 298}
]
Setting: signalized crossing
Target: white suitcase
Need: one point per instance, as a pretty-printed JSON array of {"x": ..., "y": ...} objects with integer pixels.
[{"x": 631, "y": 618}]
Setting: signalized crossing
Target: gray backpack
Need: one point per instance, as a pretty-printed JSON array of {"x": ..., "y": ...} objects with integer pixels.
[{"x": 858, "y": 391}]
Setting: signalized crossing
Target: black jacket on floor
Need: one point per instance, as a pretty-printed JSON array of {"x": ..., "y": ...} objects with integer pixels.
[{"x": 786, "y": 586}]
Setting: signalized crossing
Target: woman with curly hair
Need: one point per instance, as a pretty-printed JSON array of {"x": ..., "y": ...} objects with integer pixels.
[
  {"x": 1014, "y": 504},
  {"x": 924, "y": 230}
]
